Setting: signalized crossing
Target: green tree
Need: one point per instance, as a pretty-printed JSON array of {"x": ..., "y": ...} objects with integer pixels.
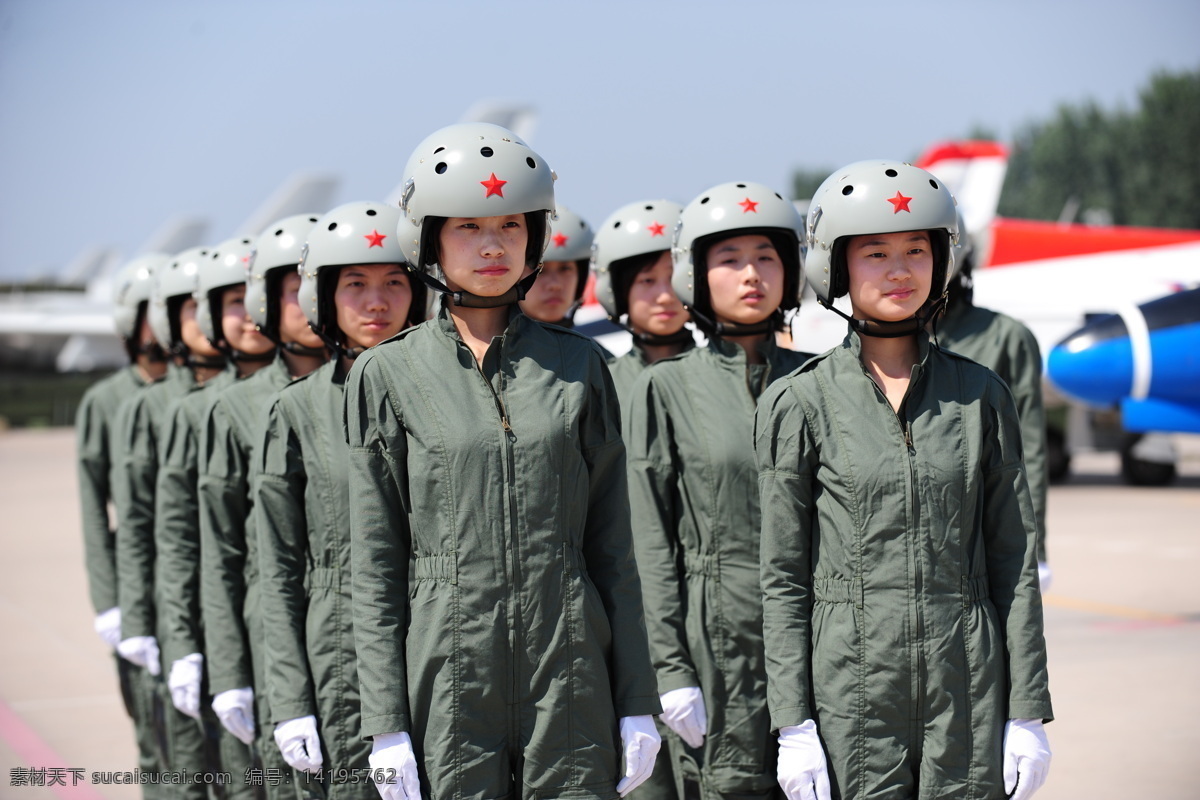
[
  {"x": 806, "y": 181},
  {"x": 1142, "y": 167}
]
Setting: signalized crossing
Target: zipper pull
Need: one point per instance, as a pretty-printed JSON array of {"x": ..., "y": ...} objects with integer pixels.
[
  {"x": 908, "y": 434},
  {"x": 504, "y": 424}
]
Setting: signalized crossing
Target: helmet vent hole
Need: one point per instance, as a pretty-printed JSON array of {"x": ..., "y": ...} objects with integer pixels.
[
  {"x": 777, "y": 194},
  {"x": 371, "y": 212},
  {"x": 847, "y": 190},
  {"x": 532, "y": 164},
  {"x": 440, "y": 149},
  {"x": 891, "y": 173},
  {"x": 616, "y": 224},
  {"x": 704, "y": 200},
  {"x": 486, "y": 152},
  {"x": 933, "y": 183},
  {"x": 440, "y": 168},
  {"x": 649, "y": 208},
  {"x": 279, "y": 232},
  {"x": 333, "y": 226}
]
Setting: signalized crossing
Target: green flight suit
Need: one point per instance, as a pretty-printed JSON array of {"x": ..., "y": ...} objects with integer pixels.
[
  {"x": 497, "y": 609},
  {"x": 142, "y": 420},
  {"x": 178, "y": 577},
  {"x": 694, "y": 495},
  {"x": 230, "y": 592},
  {"x": 1008, "y": 348},
  {"x": 901, "y": 602},
  {"x": 625, "y": 371},
  {"x": 98, "y": 447},
  {"x": 302, "y": 505}
]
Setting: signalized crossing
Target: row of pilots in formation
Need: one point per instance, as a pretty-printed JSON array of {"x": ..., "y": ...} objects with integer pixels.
[{"x": 387, "y": 525}]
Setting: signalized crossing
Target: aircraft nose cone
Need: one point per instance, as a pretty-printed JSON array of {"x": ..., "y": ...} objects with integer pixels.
[{"x": 1094, "y": 364}]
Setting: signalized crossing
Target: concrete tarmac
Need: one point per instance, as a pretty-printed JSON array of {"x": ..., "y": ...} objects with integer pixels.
[{"x": 1122, "y": 624}]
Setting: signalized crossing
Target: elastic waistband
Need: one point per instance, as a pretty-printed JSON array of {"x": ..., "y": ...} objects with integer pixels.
[
  {"x": 838, "y": 590},
  {"x": 436, "y": 568},
  {"x": 975, "y": 589}
]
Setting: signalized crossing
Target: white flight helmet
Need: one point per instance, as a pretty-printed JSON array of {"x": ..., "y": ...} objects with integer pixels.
[
  {"x": 963, "y": 248},
  {"x": 354, "y": 233},
  {"x": 734, "y": 209},
  {"x": 571, "y": 240},
  {"x": 469, "y": 170},
  {"x": 226, "y": 265},
  {"x": 638, "y": 229},
  {"x": 276, "y": 252},
  {"x": 876, "y": 197},
  {"x": 133, "y": 288},
  {"x": 174, "y": 282}
]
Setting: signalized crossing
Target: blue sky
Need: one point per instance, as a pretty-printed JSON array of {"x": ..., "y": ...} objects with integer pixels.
[{"x": 117, "y": 115}]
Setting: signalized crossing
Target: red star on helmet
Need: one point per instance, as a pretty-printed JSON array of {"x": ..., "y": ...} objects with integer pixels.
[
  {"x": 656, "y": 229},
  {"x": 748, "y": 205},
  {"x": 494, "y": 186},
  {"x": 560, "y": 239},
  {"x": 900, "y": 202},
  {"x": 375, "y": 238}
]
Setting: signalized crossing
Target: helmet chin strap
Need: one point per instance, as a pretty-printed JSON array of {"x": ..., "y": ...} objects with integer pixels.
[
  {"x": 297, "y": 349},
  {"x": 681, "y": 336},
  {"x": 205, "y": 362},
  {"x": 728, "y": 329},
  {"x": 251, "y": 358},
  {"x": 892, "y": 330},
  {"x": 152, "y": 351},
  {"x": 466, "y": 299}
]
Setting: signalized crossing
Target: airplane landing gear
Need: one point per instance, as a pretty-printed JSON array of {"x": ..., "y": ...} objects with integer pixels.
[{"x": 1147, "y": 460}]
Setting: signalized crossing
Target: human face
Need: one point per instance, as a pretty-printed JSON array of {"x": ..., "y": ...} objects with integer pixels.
[
  {"x": 145, "y": 336},
  {"x": 293, "y": 325},
  {"x": 745, "y": 279},
  {"x": 553, "y": 292},
  {"x": 890, "y": 274},
  {"x": 483, "y": 255},
  {"x": 372, "y": 302},
  {"x": 189, "y": 331},
  {"x": 653, "y": 305},
  {"x": 238, "y": 329}
]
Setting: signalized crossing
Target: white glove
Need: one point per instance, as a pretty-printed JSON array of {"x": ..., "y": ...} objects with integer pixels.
[
  {"x": 235, "y": 709},
  {"x": 684, "y": 713},
  {"x": 640, "y": 741},
  {"x": 184, "y": 683},
  {"x": 802, "y": 771},
  {"x": 141, "y": 650},
  {"x": 1045, "y": 576},
  {"x": 394, "y": 751},
  {"x": 1026, "y": 757},
  {"x": 300, "y": 744},
  {"x": 108, "y": 625}
]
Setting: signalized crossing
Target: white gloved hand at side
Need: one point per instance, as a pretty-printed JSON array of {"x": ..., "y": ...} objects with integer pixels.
[
  {"x": 393, "y": 753},
  {"x": 108, "y": 625},
  {"x": 802, "y": 771},
  {"x": 640, "y": 742},
  {"x": 184, "y": 683},
  {"x": 1026, "y": 757},
  {"x": 141, "y": 650},
  {"x": 235, "y": 709},
  {"x": 300, "y": 744},
  {"x": 684, "y": 713},
  {"x": 1045, "y": 576}
]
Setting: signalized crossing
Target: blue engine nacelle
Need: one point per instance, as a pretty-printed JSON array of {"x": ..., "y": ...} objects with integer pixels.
[{"x": 1144, "y": 359}]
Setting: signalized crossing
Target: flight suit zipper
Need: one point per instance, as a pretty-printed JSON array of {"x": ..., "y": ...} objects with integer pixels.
[
  {"x": 905, "y": 428},
  {"x": 514, "y": 561}
]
